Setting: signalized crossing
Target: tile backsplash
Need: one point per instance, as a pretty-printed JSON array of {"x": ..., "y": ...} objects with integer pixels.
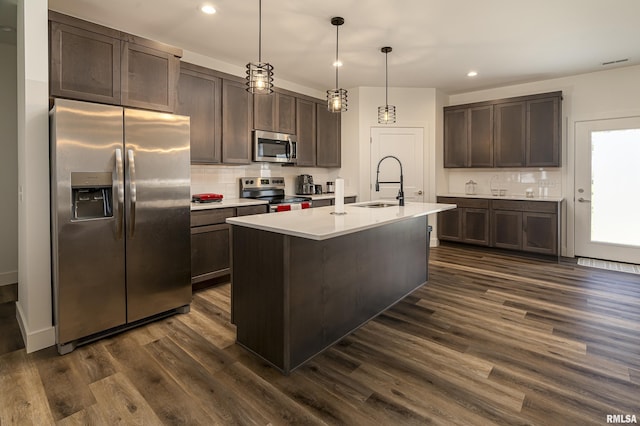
[
  {"x": 221, "y": 179},
  {"x": 543, "y": 183}
]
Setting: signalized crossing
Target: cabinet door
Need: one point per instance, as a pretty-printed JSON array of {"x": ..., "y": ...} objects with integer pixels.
[
  {"x": 506, "y": 229},
  {"x": 510, "y": 134},
  {"x": 543, "y": 132},
  {"x": 236, "y": 123},
  {"x": 540, "y": 233},
  {"x": 481, "y": 136},
  {"x": 264, "y": 112},
  {"x": 475, "y": 226},
  {"x": 199, "y": 97},
  {"x": 305, "y": 133},
  {"x": 328, "y": 137},
  {"x": 210, "y": 252},
  {"x": 455, "y": 138},
  {"x": 286, "y": 113},
  {"x": 84, "y": 65},
  {"x": 249, "y": 210},
  {"x": 149, "y": 77},
  {"x": 450, "y": 225}
]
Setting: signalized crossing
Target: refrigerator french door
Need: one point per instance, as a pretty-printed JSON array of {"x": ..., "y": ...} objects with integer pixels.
[{"x": 120, "y": 198}]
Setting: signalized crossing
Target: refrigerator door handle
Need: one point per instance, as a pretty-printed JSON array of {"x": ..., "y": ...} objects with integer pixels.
[
  {"x": 119, "y": 184},
  {"x": 132, "y": 193}
]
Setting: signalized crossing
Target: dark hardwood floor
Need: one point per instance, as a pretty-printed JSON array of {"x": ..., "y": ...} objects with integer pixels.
[{"x": 491, "y": 339}]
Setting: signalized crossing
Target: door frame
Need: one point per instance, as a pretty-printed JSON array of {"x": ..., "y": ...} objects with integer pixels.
[{"x": 579, "y": 134}]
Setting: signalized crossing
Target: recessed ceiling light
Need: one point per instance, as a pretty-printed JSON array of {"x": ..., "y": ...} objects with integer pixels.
[
  {"x": 337, "y": 64},
  {"x": 208, "y": 9},
  {"x": 472, "y": 73}
]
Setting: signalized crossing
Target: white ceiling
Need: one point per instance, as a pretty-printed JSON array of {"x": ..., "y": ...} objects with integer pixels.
[{"x": 435, "y": 42}]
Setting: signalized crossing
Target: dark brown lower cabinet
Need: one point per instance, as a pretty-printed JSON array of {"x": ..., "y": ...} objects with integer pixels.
[
  {"x": 210, "y": 241},
  {"x": 331, "y": 201},
  {"x": 469, "y": 223},
  {"x": 525, "y": 225},
  {"x": 530, "y": 226}
]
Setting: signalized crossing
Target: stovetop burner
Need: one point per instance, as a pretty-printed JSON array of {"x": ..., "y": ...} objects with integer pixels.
[{"x": 270, "y": 189}]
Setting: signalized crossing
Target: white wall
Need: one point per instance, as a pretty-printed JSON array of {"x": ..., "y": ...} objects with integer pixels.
[
  {"x": 34, "y": 306},
  {"x": 605, "y": 94},
  {"x": 8, "y": 166}
]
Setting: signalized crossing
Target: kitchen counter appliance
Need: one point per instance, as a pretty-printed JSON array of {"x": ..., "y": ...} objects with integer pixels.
[
  {"x": 274, "y": 147},
  {"x": 120, "y": 212},
  {"x": 271, "y": 189},
  {"x": 304, "y": 185}
]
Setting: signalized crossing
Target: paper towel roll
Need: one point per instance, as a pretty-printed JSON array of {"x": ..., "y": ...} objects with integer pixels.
[{"x": 339, "y": 200}]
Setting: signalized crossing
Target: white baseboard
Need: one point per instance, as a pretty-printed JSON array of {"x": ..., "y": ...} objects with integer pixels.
[
  {"x": 9, "y": 277},
  {"x": 35, "y": 340}
]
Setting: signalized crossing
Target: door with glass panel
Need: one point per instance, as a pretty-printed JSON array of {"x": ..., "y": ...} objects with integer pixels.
[{"x": 607, "y": 189}]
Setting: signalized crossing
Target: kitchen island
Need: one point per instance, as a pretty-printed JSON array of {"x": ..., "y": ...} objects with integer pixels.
[{"x": 302, "y": 280}]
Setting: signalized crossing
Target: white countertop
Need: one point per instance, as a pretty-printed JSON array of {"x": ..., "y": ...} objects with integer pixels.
[
  {"x": 518, "y": 197},
  {"x": 227, "y": 202},
  {"x": 319, "y": 224}
]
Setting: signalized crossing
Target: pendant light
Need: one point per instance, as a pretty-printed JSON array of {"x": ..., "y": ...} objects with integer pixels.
[
  {"x": 259, "y": 74},
  {"x": 386, "y": 113},
  {"x": 337, "y": 98}
]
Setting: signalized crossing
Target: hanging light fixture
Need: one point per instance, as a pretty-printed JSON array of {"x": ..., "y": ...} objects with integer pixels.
[
  {"x": 337, "y": 98},
  {"x": 386, "y": 113},
  {"x": 260, "y": 74}
]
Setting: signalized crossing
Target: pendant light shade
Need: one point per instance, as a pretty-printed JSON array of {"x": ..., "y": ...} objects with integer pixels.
[
  {"x": 259, "y": 74},
  {"x": 386, "y": 113},
  {"x": 337, "y": 98}
]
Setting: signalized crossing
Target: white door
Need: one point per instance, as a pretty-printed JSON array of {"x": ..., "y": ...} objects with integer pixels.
[
  {"x": 607, "y": 189},
  {"x": 405, "y": 143}
]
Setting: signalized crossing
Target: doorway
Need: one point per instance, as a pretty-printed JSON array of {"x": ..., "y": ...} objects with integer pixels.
[
  {"x": 407, "y": 144},
  {"x": 607, "y": 178}
]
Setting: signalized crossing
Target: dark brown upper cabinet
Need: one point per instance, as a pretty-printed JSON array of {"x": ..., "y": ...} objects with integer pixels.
[
  {"x": 328, "y": 137},
  {"x": 149, "y": 77},
  {"x": 513, "y": 132},
  {"x": 305, "y": 132},
  {"x": 275, "y": 112},
  {"x": 94, "y": 63},
  {"x": 510, "y": 134},
  {"x": 84, "y": 65},
  {"x": 200, "y": 97},
  {"x": 237, "y": 116},
  {"x": 468, "y": 137}
]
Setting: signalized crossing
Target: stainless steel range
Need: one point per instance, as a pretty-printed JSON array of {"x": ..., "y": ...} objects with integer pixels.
[{"x": 271, "y": 189}]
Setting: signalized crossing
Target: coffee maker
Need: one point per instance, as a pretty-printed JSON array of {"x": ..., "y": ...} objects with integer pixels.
[{"x": 304, "y": 185}]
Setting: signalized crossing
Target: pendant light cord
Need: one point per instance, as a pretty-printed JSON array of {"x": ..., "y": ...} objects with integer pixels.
[
  {"x": 386, "y": 79},
  {"x": 260, "y": 31},
  {"x": 336, "y": 64}
]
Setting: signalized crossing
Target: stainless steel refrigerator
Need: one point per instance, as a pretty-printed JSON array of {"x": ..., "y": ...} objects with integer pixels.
[{"x": 120, "y": 213}]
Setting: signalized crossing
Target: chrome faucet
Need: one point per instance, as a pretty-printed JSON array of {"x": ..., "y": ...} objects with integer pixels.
[{"x": 400, "y": 196}]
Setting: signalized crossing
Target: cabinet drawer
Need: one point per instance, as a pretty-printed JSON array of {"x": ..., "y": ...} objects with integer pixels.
[
  {"x": 541, "y": 206},
  {"x": 508, "y": 205},
  {"x": 474, "y": 203},
  {"x": 248, "y": 210},
  {"x": 211, "y": 217}
]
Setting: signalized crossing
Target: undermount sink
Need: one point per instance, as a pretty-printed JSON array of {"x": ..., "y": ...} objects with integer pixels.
[{"x": 378, "y": 205}]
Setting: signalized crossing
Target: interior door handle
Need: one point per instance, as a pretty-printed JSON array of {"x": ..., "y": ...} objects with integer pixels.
[
  {"x": 119, "y": 184},
  {"x": 420, "y": 192},
  {"x": 583, "y": 200},
  {"x": 132, "y": 193}
]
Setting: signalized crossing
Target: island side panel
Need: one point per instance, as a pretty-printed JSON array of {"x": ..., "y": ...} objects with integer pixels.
[
  {"x": 336, "y": 285},
  {"x": 258, "y": 297}
]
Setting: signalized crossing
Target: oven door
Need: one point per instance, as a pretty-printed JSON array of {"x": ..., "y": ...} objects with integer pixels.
[{"x": 274, "y": 147}]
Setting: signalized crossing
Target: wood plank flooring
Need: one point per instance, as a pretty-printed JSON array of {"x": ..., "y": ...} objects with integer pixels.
[{"x": 492, "y": 338}]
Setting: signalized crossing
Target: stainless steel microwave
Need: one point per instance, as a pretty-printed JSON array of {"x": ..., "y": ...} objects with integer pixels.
[{"x": 274, "y": 147}]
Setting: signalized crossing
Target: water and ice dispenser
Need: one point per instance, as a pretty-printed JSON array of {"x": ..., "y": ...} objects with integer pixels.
[{"x": 91, "y": 195}]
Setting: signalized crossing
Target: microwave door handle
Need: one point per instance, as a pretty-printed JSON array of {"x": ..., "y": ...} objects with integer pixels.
[
  {"x": 132, "y": 193},
  {"x": 291, "y": 151},
  {"x": 119, "y": 187}
]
